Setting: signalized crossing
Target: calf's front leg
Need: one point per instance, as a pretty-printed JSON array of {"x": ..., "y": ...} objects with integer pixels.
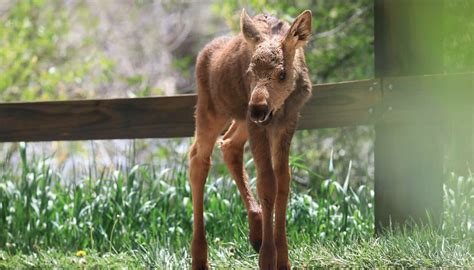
[
  {"x": 280, "y": 147},
  {"x": 266, "y": 190}
]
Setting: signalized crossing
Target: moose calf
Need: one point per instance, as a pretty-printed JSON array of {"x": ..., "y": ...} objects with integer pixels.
[{"x": 257, "y": 81}]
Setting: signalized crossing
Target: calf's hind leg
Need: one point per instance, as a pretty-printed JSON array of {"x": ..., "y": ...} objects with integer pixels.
[
  {"x": 232, "y": 146},
  {"x": 208, "y": 127}
]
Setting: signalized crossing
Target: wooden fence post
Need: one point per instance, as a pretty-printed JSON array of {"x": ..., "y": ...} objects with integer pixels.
[{"x": 408, "y": 154}]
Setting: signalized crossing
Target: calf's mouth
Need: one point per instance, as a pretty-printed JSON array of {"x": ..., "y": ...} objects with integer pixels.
[{"x": 263, "y": 119}]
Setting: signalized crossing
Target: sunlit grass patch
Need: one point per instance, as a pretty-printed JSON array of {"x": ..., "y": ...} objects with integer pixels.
[{"x": 419, "y": 247}]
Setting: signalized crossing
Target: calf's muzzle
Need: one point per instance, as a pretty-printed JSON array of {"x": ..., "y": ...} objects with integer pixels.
[{"x": 260, "y": 114}]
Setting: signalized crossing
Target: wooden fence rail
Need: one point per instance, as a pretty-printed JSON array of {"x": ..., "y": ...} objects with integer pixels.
[{"x": 332, "y": 105}]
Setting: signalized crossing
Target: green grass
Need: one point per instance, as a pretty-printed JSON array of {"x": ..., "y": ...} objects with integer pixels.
[
  {"x": 411, "y": 248},
  {"x": 142, "y": 216}
]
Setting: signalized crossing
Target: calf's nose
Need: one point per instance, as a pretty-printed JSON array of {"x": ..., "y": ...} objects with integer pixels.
[{"x": 258, "y": 112}]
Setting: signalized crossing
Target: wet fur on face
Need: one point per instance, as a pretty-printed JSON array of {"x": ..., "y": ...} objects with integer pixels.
[
  {"x": 271, "y": 69},
  {"x": 271, "y": 74}
]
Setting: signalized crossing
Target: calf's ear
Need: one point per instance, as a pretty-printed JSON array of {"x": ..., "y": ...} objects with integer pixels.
[
  {"x": 300, "y": 31},
  {"x": 248, "y": 29}
]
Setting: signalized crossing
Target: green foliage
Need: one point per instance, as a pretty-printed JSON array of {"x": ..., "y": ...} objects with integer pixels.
[
  {"x": 459, "y": 36},
  {"x": 146, "y": 204},
  {"x": 142, "y": 215},
  {"x": 459, "y": 210},
  {"x": 182, "y": 64},
  {"x": 35, "y": 60}
]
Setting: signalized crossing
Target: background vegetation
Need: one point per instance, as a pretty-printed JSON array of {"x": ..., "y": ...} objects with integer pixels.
[{"x": 128, "y": 202}]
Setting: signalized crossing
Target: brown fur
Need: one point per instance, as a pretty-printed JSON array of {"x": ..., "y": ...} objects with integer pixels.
[{"x": 258, "y": 81}]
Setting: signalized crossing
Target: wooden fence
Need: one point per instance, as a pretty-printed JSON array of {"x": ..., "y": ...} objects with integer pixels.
[{"x": 332, "y": 105}]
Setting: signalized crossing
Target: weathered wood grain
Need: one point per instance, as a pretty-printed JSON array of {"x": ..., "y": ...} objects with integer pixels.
[
  {"x": 342, "y": 104},
  {"x": 160, "y": 117}
]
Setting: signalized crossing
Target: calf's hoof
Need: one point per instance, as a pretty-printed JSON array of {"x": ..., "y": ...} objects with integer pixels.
[
  {"x": 256, "y": 244},
  {"x": 255, "y": 229}
]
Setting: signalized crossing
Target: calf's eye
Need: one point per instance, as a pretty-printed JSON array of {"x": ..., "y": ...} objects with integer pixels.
[{"x": 282, "y": 76}]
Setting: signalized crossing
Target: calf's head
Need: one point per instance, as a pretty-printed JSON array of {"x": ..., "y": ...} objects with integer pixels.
[{"x": 272, "y": 73}]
